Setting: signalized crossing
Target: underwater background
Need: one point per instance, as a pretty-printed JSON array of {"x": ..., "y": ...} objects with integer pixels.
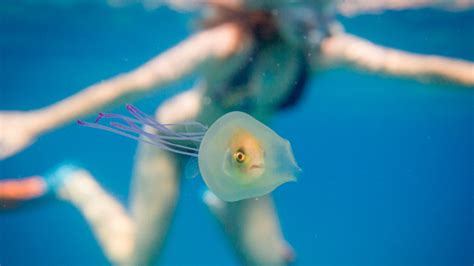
[{"x": 387, "y": 163}]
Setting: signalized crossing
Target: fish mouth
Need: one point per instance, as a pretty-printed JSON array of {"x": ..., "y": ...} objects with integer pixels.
[{"x": 256, "y": 166}]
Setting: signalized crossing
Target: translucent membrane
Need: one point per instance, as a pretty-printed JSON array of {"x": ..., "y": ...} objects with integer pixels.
[{"x": 164, "y": 136}]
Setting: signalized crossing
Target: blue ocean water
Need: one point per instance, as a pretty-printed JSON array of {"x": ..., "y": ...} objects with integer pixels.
[{"x": 388, "y": 163}]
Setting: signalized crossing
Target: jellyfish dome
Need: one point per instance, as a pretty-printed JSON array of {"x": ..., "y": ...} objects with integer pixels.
[{"x": 240, "y": 158}]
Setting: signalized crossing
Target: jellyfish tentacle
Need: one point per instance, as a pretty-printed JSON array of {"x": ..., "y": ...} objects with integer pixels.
[
  {"x": 138, "y": 130},
  {"x": 102, "y": 127},
  {"x": 189, "y": 123},
  {"x": 157, "y": 138},
  {"x": 194, "y": 136},
  {"x": 150, "y": 136},
  {"x": 152, "y": 142},
  {"x": 163, "y": 128},
  {"x": 147, "y": 119},
  {"x": 163, "y": 140},
  {"x": 117, "y": 116},
  {"x": 133, "y": 120}
]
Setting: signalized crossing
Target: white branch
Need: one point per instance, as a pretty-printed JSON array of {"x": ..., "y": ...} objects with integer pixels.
[
  {"x": 346, "y": 49},
  {"x": 355, "y": 7}
]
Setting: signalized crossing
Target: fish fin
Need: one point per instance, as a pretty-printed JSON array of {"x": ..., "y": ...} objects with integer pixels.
[{"x": 191, "y": 169}]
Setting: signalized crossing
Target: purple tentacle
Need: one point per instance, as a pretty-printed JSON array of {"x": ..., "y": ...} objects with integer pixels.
[
  {"x": 148, "y": 120},
  {"x": 150, "y": 136},
  {"x": 159, "y": 145},
  {"x": 162, "y": 127},
  {"x": 139, "y": 130},
  {"x": 129, "y": 120},
  {"x": 192, "y": 123},
  {"x": 132, "y": 121},
  {"x": 163, "y": 140}
]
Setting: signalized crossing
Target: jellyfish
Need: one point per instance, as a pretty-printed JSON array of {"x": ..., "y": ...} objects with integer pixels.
[{"x": 238, "y": 157}]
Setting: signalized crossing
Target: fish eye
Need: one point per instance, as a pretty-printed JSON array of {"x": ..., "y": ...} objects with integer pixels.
[{"x": 239, "y": 156}]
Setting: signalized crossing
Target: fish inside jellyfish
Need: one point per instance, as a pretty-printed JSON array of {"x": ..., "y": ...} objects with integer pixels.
[{"x": 238, "y": 156}]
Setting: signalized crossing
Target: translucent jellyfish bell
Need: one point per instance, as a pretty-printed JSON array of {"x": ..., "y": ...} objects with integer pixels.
[{"x": 238, "y": 156}]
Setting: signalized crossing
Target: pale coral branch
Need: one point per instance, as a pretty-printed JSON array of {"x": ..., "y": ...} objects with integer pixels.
[
  {"x": 356, "y": 7},
  {"x": 346, "y": 49},
  {"x": 253, "y": 228}
]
